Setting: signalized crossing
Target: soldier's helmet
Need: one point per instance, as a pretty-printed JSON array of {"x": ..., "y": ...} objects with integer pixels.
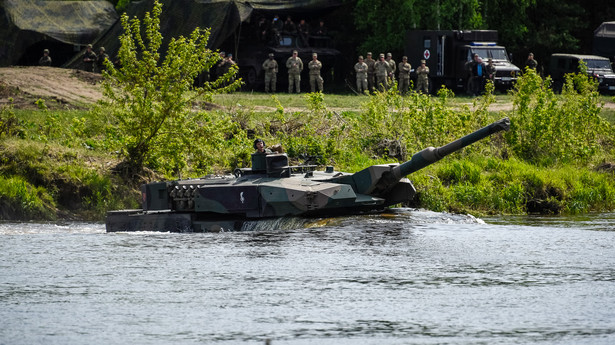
[
  {"x": 404, "y": 58},
  {"x": 369, "y": 53},
  {"x": 259, "y": 140},
  {"x": 89, "y": 46},
  {"x": 422, "y": 61},
  {"x": 46, "y": 51},
  {"x": 389, "y": 55},
  {"x": 360, "y": 57},
  {"x": 102, "y": 49},
  {"x": 314, "y": 55},
  {"x": 381, "y": 55},
  {"x": 270, "y": 54}
]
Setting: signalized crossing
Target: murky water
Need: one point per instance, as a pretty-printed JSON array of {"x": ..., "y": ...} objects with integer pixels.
[{"x": 414, "y": 277}]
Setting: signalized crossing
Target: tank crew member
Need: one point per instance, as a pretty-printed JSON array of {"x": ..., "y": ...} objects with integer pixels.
[
  {"x": 89, "y": 58},
  {"x": 391, "y": 62},
  {"x": 360, "y": 69},
  {"x": 100, "y": 59},
  {"x": 294, "y": 65},
  {"x": 45, "y": 60},
  {"x": 315, "y": 79},
  {"x": 383, "y": 69},
  {"x": 422, "y": 80},
  {"x": 531, "y": 63},
  {"x": 259, "y": 146},
  {"x": 270, "y": 66},
  {"x": 371, "y": 72},
  {"x": 404, "y": 75}
]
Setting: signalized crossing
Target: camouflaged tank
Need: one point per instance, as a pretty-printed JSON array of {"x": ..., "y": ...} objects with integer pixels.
[{"x": 273, "y": 189}]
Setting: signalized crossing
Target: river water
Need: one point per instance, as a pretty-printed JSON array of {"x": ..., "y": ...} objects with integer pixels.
[{"x": 413, "y": 277}]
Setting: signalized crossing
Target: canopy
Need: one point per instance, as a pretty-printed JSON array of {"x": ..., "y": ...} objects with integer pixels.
[{"x": 27, "y": 23}]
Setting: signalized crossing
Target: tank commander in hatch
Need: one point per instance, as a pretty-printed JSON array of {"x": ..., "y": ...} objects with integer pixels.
[{"x": 259, "y": 146}]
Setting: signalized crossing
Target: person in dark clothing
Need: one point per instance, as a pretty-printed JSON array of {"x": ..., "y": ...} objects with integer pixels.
[{"x": 45, "y": 60}]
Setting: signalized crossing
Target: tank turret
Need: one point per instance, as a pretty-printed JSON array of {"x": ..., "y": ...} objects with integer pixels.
[{"x": 272, "y": 188}]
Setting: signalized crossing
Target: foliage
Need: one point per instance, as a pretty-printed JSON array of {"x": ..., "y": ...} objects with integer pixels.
[
  {"x": 149, "y": 106},
  {"x": 9, "y": 124},
  {"x": 547, "y": 130},
  {"x": 481, "y": 185},
  {"x": 21, "y": 200}
]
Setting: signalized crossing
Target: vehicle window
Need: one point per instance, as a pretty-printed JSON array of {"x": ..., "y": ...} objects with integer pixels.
[
  {"x": 497, "y": 54},
  {"x": 595, "y": 64}
]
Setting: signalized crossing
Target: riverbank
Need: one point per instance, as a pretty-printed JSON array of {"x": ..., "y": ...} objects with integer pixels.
[{"x": 58, "y": 162}]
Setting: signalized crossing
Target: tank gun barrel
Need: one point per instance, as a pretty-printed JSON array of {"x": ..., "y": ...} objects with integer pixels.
[
  {"x": 379, "y": 180},
  {"x": 431, "y": 155}
]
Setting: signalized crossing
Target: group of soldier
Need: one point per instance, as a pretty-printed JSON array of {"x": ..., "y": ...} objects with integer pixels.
[
  {"x": 479, "y": 73},
  {"x": 380, "y": 75},
  {"x": 94, "y": 62},
  {"x": 294, "y": 65}
]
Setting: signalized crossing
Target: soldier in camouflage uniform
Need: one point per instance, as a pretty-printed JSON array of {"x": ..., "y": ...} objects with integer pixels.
[
  {"x": 422, "y": 80},
  {"x": 294, "y": 66},
  {"x": 371, "y": 72},
  {"x": 100, "y": 59},
  {"x": 45, "y": 60},
  {"x": 383, "y": 69},
  {"x": 404, "y": 75},
  {"x": 315, "y": 79},
  {"x": 393, "y": 65},
  {"x": 89, "y": 58},
  {"x": 360, "y": 69},
  {"x": 270, "y": 66}
]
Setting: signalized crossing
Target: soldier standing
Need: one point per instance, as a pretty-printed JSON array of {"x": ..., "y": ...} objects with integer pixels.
[
  {"x": 294, "y": 66},
  {"x": 391, "y": 62},
  {"x": 383, "y": 69},
  {"x": 45, "y": 60},
  {"x": 490, "y": 70},
  {"x": 404, "y": 75},
  {"x": 360, "y": 69},
  {"x": 479, "y": 71},
  {"x": 100, "y": 59},
  {"x": 89, "y": 58},
  {"x": 531, "y": 63},
  {"x": 271, "y": 73},
  {"x": 315, "y": 79},
  {"x": 422, "y": 83},
  {"x": 371, "y": 72}
]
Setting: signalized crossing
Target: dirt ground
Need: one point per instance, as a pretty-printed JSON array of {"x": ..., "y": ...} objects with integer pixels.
[{"x": 58, "y": 87}]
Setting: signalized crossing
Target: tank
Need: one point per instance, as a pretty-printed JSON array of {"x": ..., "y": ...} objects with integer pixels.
[{"x": 272, "y": 189}]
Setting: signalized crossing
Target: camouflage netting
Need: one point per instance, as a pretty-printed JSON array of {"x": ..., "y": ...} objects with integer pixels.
[{"x": 29, "y": 26}]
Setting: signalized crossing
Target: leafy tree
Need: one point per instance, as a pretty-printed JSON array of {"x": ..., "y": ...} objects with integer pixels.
[{"x": 150, "y": 98}]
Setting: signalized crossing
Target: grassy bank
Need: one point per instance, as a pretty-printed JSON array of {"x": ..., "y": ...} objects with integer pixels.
[{"x": 556, "y": 159}]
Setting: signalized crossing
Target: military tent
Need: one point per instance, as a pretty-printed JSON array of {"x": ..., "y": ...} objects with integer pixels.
[{"x": 29, "y": 26}]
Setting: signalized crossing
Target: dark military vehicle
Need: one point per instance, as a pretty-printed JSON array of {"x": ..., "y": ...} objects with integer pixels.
[
  {"x": 598, "y": 67},
  {"x": 447, "y": 53},
  {"x": 272, "y": 188}
]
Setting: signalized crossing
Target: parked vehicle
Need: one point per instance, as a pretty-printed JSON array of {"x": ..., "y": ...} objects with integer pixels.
[
  {"x": 597, "y": 66},
  {"x": 447, "y": 52}
]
